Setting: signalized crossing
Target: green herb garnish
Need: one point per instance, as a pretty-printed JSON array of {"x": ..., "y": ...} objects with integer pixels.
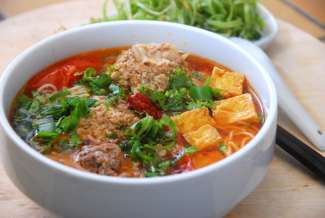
[
  {"x": 226, "y": 17},
  {"x": 186, "y": 151},
  {"x": 180, "y": 80},
  {"x": 198, "y": 76},
  {"x": 111, "y": 68},
  {"x": 113, "y": 135},
  {"x": 59, "y": 94},
  {"x": 142, "y": 147},
  {"x": 216, "y": 93},
  {"x": 222, "y": 147},
  {"x": 74, "y": 139},
  {"x": 38, "y": 97},
  {"x": 63, "y": 143},
  {"x": 247, "y": 125},
  {"x": 116, "y": 93},
  {"x": 201, "y": 93},
  {"x": 199, "y": 104},
  {"x": 99, "y": 84}
]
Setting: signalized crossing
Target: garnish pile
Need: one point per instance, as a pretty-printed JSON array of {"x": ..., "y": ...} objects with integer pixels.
[
  {"x": 43, "y": 122},
  {"x": 226, "y": 17}
]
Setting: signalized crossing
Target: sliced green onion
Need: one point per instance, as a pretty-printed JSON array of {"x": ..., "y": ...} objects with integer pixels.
[
  {"x": 222, "y": 147},
  {"x": 113, "y": 135},
  {"x": 59, "y": 94},
  {"x": 198, "y": 76}
]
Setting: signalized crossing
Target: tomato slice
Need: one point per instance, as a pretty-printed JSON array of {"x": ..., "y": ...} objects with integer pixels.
[
  {"x": 189, "y": 166},
  {"x": 79, "y": 65},
  {"x": 63, "y": 75},
  {"x": 185, "y": 164},
  {"x": 55, "y": 77}
]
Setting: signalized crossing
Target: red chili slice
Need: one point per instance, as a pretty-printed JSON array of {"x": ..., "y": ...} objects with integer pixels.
[{"x": 141, "y": 103}]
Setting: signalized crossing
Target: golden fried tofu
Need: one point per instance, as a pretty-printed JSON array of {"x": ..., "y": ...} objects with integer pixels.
[
  {"x": 205, "y": 136},
  {"x": 193, "y": 120},
  {"x": 230, "y": 83},
  {"x": 239, "y": 108}
]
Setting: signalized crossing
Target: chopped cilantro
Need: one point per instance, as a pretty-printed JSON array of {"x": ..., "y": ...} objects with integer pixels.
[
  {"x": 145, "y": 135},
  {"x": 198, "y": 76},
  {"x": 73, "y": 121},
  {"x": 47, "y": 137},
  {"x": 23, "y": 102},
  {"x": 113, "y": 135},
  {"x": 59, "y": 94},
  {"x": 216, "y": 93},
  {"x": 74, "y": 139},
  {"x": 247, "y": 125},
  {"x": 199, "y": 104},
  {"x": 148, "y": 91},
  {"x": 120, "y": 127},
  {"x": 88, "y": 72},
  {"x": 111, "y": 68},
  {"x": 180, "y": 80},
  {"x": 45, "y": 124},
  {"x": 38, "y": 97},
  {"x": 99, "y": 84},
  {"x": 34, "y": 106},
  {"x": 158, "y": 170},
  {"x": 208, "y": 80},
  {"x": 63, "y": 143},
  {"x": 222, "y": 147},
  {"x": 116, "y": 93},
  {"x": 98, "y": 104},
  {"x": 201, "y": 93},
  {"x": 78, "y": 74}
]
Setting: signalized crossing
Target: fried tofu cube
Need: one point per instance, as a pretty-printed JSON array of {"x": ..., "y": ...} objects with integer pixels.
[
  {"x": 205, "y": 136},
  {"x": 230, "y": 83},
  {"x": 193, "y": 120},
  {"x": 232, "y": 110}
]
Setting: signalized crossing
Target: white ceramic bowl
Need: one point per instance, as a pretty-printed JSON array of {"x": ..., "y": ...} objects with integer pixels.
[{"x": 208, "y": 192}]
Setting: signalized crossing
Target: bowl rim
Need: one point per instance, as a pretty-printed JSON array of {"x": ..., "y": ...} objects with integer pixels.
[{"x": 271, "y": 116}]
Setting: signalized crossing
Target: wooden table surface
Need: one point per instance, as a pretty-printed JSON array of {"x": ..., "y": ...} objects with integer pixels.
[{"x": 288, "y": 190}]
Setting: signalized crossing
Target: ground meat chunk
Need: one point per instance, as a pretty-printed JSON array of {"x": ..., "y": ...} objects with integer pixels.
[
  {"x": 148, "y": 64},
  {"x": 103, "y": 122},
  {"x": 103, "y": 159}
]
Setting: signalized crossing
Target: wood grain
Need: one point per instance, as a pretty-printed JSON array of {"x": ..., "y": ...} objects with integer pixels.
[
  {"x": 313, "y": 7},
  {"x": 289, "y": 189},
  {"x": 284, "y": 12}
]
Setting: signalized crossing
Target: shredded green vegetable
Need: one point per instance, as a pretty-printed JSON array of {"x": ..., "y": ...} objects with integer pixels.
[
  {"x": 61, "y": 115},
  {"x": 226, "y": 17},
  {"x": 146, "y": 134}
]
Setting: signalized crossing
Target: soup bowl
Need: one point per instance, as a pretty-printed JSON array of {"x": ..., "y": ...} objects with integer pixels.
[{"x": 211, "y": 191}]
